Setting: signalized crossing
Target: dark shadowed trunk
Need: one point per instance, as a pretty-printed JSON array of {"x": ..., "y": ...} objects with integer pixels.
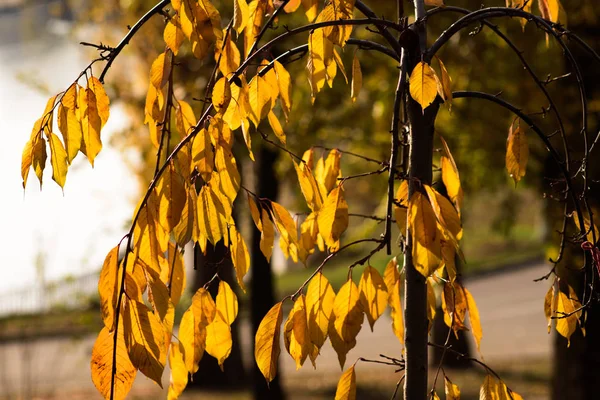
[{"x": 262, "y": 295}]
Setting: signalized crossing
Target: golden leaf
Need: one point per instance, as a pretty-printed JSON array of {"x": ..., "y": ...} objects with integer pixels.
[
  {"x": 276, "y": 126},
  {"x": 226, "y": 166},
  {"x": 58, "y": 158},
  {"x": 445, "y": 214},
  {"x": 260, "y": 100},
  {"x": 452, "y": 390},
  {"x": 161, "y": 70},
  {"x": 173, "y": 36},
  {"x": 267, "y": 237},
  {"x": 296, "y": 336},
  {"x": 319, "y": 305},
  {"x": 310, "y": 9},
  {"x": 291, "y": 6},
  {"x": 331, "y": 170},
  {"x": 108, "y": 287},
  {"x": 221, "y": 94},
  {"x": 192, "y": 340},
  {"x": 431, "y": 302},
  {"x": 203, "y": 157},
  {"x": 333, "y": 217},
  {"x": 266, "y": 346},
  {"x": 346, "y": 387},
  {"x": 218, "y": 339},
  {"x": 172, "y": 198},
  {"x": 102, "y": 365},
  {"x": 591, "y": 231},
  {"x": 240, "y": 15},
  {"x": 185, "y": 118},
  {"x": 454, "y": 305},
  {"x": 426, "y": 247},
  {"x": 145, "y": 340},
  {"x": 179, "y": 372},
  {"x": 309, "y": 231},
  {"x": 91, "y": 123},
  {"x": 229, "y": 57},
  {"x": 288, "y": 240},
  {"x": 317, "y": 43},
  {"x": 423, "y": 84},
  {"x": 567, "y": 314},
  {"x": 356, "y": 78},
  {"x": 309, "y": 186},
  {"x": 285, "y": 88},
  {"x": 347, "y": 312},
  {"x": 450, "y": 176},
  {"x": 102, "y": 101},
  {"x": 226, "y": 303},
  {"x": 211, "y": 215},
  {"x": 446, "y": 80},
  {"x": 373, "y": 294},
  {"x": 68, "y": 124},
  {"x": 240, "y": 256},
  {"x": 517, "y": 153},
  {"x": 474, "y": 319}
]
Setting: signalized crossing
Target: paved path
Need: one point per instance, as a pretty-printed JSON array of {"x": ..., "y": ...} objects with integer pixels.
[{"x": 510, "y": 304}]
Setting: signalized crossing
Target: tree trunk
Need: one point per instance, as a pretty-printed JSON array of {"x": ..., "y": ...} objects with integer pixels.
[
  {"x": 209, "y": 374},
  {"x": 261, "y": 287}
]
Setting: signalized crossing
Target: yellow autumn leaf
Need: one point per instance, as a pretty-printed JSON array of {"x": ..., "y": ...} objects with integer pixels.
[
  {"x": 445, "y": 214},
  {"x": 218, "y": 339},
  {"x": 309, "y": 186},
  {"x": 446, "y": 80},
  {"x": 161, "y": 70},
  {"x": 102, "y": 365},
  {"x": 221, "y": 94},
  {"x": 553, "y": 11},
  {"x": 452, "y": 390},
  {"x": 102, "y": 101},
  {"x": 259, "y": 98},
  {"x": 356, "y": 78},
  {"x": 331, "y": 170},
  {"x": 296, "y": 335},
  {"x": 309, "y": 231},
  {"x": 229, "y": 57},
  {"x": 145, "y": 340},
  {"x": 211, "y": 215},
  {"x": 567, "y": 314},
  {"x": 592, "y": 232},
  {"x": 58, "y": 159},
  {"x": 426, "y": 247},
  {"x": 340, "y": 346},
  {"x": 491, "y": 389},
  {"x": 179, "y": 372},
  {"x": 450, "y": 176},
  {"x": 310, "y": 9},
  {"x": 68, "y": 124},
  {"x": 226, "y": 166},
  {"x": 226, "y": 302},
  {"x": 454, "y": 305},
  {"x": 266, "y": 344},
  {"x": 291, "y": 6},
  {"x": 267, "y": 237},
  {"x": 346, "y": 387},
  {"x": 373, "y": 294},
  {"x": 173, "y": 34},
  {"x": 108, "y": 287},
  {"x": 91, "y": 124},
  {"x": 172, "y": 198},
  {"x": 240, "y": 257},
  {"x": 333, "y": 217},
  {"x": 240, "y": 15},
  {"x": 315, "y": 65},
  {"x": 288, "y": 240},
  {"x": 474, "y": 318},
  {"x": 517, "y": 152},
  {"x": 319, "y": 305},
  {"x": 347, "y": 312},
  {"x": 276, "y": 126},
  {"x": 285, "y": 88},
  {"x": 203, "y": 156},
  {"x": 423, "y": 84}
]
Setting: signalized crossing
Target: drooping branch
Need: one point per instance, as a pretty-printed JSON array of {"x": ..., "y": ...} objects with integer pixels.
[{"x": 132, "y": 31}]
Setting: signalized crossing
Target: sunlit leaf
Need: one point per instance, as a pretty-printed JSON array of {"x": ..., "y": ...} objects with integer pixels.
[
  {"x": 240, "y": 15},
  {"x": 423, "y": 84},
  {"x": 221, "y": 94},
  {"x": 346, "y": 387},
  {"x": 450, "y": 176},
  {"x": 102, "y": 365},
  {"x": 319, "y": 305},
  {"x": 474, "y": 318},
  {"x": 347, "y": 312},
  {"x": 285, "y": 88},
  {"x": 517, "y": 152},
  {"x": 266, "y": 346},
  {"x": 333, "y": 217},
  {"x": 108, "y": 287},
  {"x": 179, "y": 372},
  {"x": 426, "y": 248},
  {"x": 218, "y": 339},
  {"x": 296, "y": 334},
  {"x": 452, "y": 390},
  {"x": 373, "y": 294}
]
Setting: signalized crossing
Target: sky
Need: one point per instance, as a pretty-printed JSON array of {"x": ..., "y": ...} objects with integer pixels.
[{"x": 73, "y": 230}]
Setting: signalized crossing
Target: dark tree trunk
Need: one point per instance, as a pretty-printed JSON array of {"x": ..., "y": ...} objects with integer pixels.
[
  {"x": 209, "y": 375},
  {"x": 261, "y": 287},
  {"x": 576, "y": 369}
]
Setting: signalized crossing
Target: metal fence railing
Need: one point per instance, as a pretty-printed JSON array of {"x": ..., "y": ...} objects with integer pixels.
[{"x": 70, "y": 292}]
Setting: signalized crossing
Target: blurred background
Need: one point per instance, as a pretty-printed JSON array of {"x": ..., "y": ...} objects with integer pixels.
[{"x": 54, "y": 242}]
